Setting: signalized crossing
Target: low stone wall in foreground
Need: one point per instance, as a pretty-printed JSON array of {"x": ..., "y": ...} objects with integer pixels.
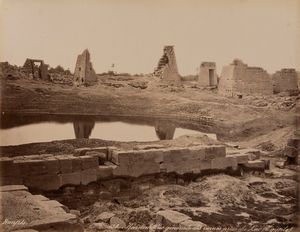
[{"x": 86, "y": 165}]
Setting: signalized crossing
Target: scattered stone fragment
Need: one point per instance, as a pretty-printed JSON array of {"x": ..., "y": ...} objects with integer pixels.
[
  {"x": 193, "y": 225},
  {"x": 101, "y": 226},
  {"x": 75, "y": 212},
  {"x": 280, "y": 164},
  {"x": 117, "y": 222},
  {"x": 104, "y": 217},
  {"x": 170, "y": 218}
]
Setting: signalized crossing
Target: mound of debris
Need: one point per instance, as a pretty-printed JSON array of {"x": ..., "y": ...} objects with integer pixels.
[{"x": 11, "y": 72}]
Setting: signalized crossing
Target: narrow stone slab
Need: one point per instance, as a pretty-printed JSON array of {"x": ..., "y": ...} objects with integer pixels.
[
  {"x": 41, "y": 198},
  {"x": 148, "y": 146},
  {"x": 100, "y": 149},
  {"x": 191, "y": 225},
  {"x": 104, "y": 217},
  {"x": 255, "y": 165},
  {"x": 11, "y": 188},
  {"x": 38, "y": 213},
  {"x": 82, "y": 151},
  {"x": 170, "y": 218},
  {"x": 240, "y": 158}
]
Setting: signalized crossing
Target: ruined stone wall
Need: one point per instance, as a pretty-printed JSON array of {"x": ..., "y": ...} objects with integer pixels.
[
  {"x": 86, "y": 165},
  {"x": 239, "y": 79},
  {"x": 167, "y": 66},
  {"x": 285, "y": 80},
  {"x": 226, "y": 82},
  {"x": 204, "y": 78},
  {"x": 84, "y": 72}
]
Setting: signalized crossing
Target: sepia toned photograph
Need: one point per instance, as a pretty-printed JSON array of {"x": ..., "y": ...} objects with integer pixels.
[{"x": 149, "y": 115}]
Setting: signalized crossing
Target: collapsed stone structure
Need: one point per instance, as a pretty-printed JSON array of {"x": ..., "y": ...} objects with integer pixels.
[
  {"x": 285, "y": 80},
  {"x": 84, "y": 72},
  {"x": 34, "y": 212},
  {"x": 237, "y": 79},
  {"x": 11, "y": 72},
  {"x": 207, "y": 74},
  {"x": 167, "y": 67},
  {"x": 37, "y": 71}
]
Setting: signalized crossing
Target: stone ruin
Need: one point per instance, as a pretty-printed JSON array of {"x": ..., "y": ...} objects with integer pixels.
[
  {"x": 84, "y": 72},
  {"x": 207, "y": 74},
  {"x": 237, "y": 79},
  {"x": 37, "y": 71},
  {"x": 86, "y": 165},
  {"x": 11, "y": 72},
  {"x": 167, "y": 67},
  {"x": 285, "y": 80}
]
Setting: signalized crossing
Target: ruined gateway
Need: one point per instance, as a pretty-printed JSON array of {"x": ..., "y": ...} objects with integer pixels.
[
  {"x": 84, "y": 72},
  {"x": 207, "y": 74},
  {"x": 37, "y": 72},
  {"x": 167, "y": 67}
]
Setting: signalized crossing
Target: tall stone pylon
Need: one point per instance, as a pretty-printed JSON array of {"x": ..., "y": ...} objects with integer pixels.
[
  {"x": 84, "y": 72},
  {"x": 167, "y": 67}
]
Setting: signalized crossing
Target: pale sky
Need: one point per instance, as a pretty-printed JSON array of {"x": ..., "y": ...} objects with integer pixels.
[{"x": 131, "y": 33}]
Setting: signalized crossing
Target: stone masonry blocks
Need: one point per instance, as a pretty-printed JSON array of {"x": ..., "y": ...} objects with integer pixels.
[{"x": 179, "y": 160}]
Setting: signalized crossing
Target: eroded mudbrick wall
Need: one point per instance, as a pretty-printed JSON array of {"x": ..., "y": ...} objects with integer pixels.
[
  {"x": 167, "y": 67},
  {"x": 84, "y": 72},
  {"x": 239, "y": 79},
  {"x": 207, "y": 74},
  {"x": 285, "y": 80}
]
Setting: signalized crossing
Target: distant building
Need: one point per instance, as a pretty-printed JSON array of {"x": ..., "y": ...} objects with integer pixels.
[
  {"x": 237, "y": 79},
  {"x": 84, "y": 72},
  {"x": 207, "y": 74},
  {"x": 167, "y": 67},
  {"x": 285, "y": 80},
  {"x": 37, "y": 68}
]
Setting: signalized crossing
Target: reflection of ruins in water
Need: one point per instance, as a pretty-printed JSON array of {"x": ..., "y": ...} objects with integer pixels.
[
  {"x": 83, "y": 129},
  {"x": 164, "y": 131}
]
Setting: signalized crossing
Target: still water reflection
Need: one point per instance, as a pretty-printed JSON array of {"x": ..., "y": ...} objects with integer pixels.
[{"x": 117, "y": 130}]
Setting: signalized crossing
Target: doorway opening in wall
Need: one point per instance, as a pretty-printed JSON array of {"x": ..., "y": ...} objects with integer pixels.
[{"x": 211, "y": 77}]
